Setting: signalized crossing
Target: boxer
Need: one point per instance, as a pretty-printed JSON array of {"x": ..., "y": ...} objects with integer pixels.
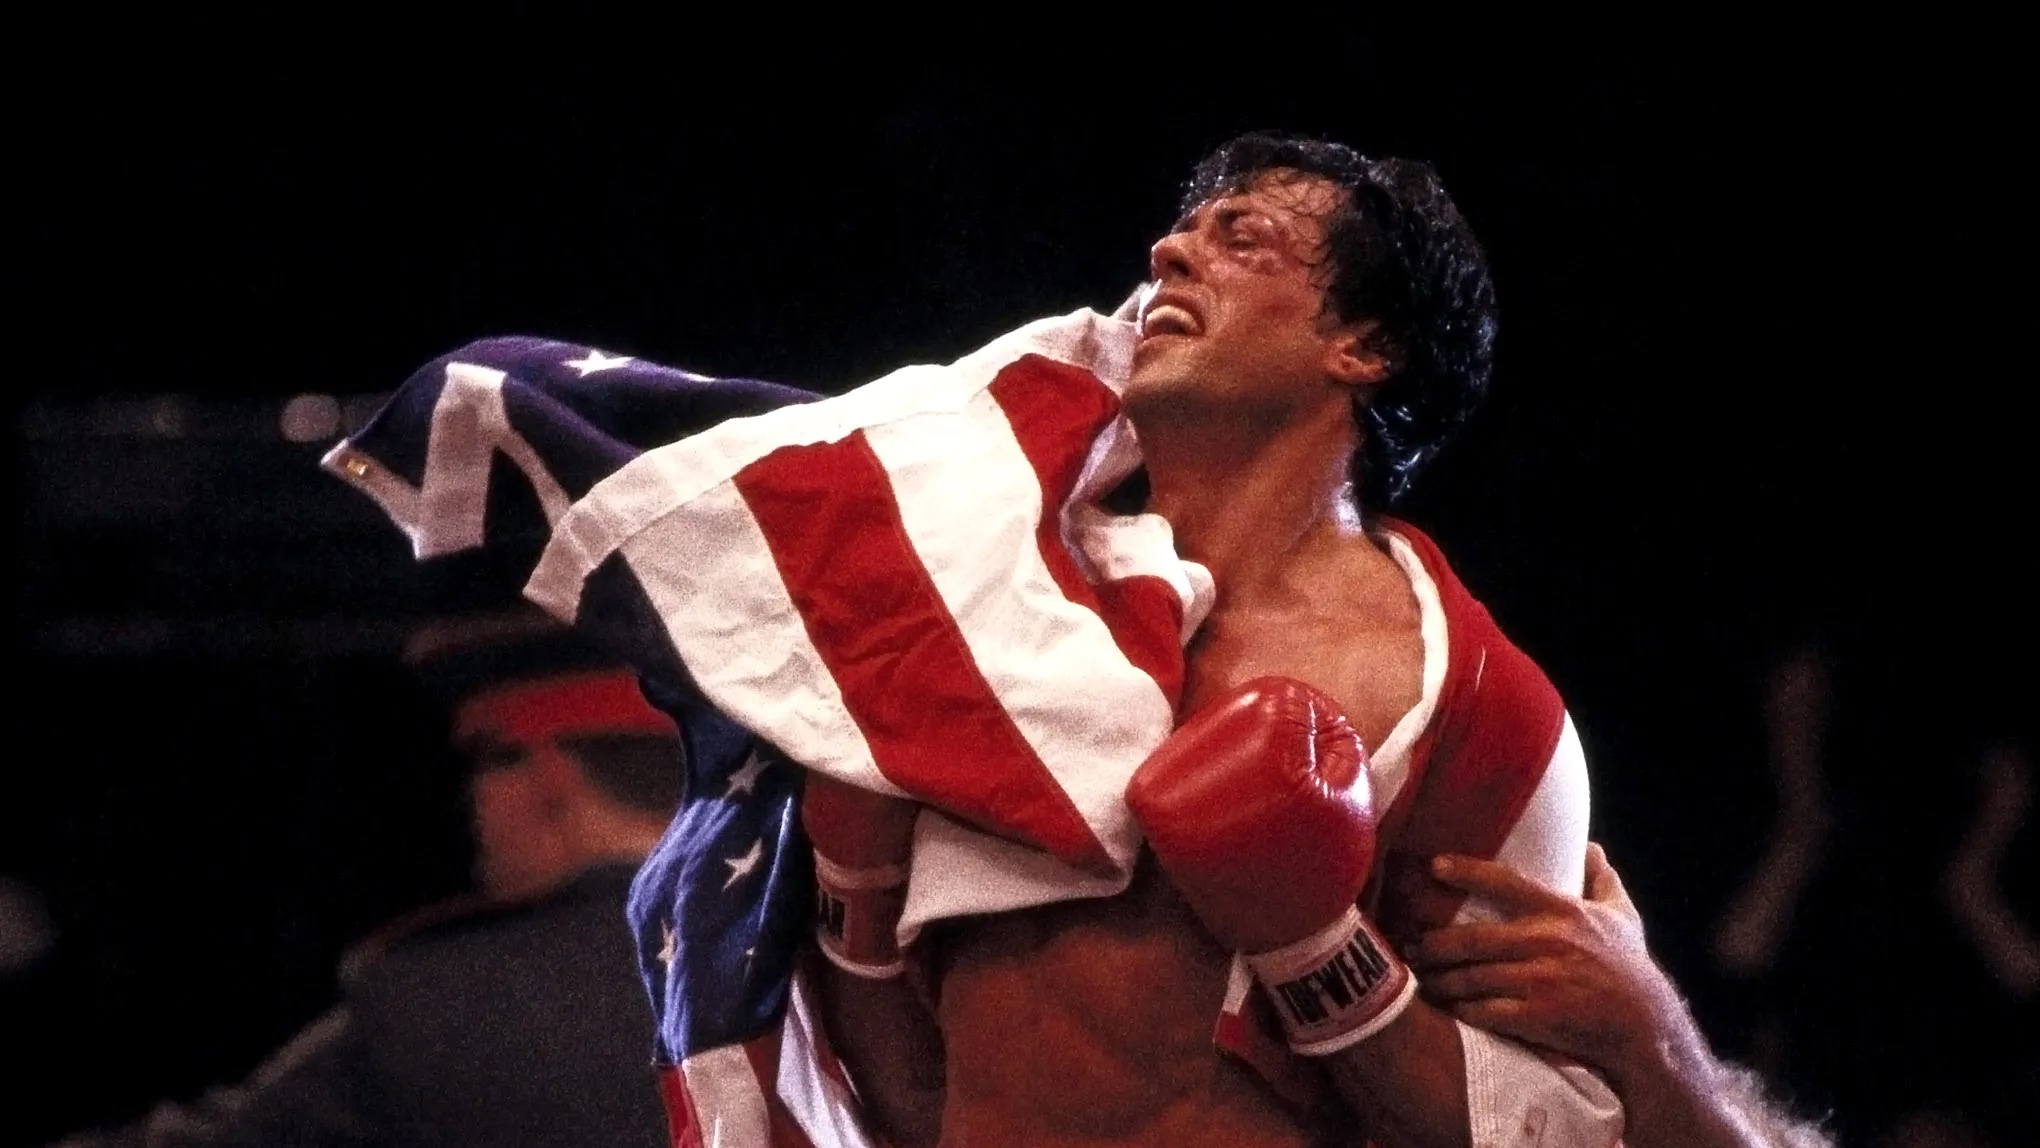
[{"x": 1317, "y": 322}]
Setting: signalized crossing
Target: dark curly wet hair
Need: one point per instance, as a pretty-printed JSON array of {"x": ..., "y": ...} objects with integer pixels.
[{"x": 1402, "y": 255}]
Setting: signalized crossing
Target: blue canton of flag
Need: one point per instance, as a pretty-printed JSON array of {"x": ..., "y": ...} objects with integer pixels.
[{"x": 723, "y": 904}]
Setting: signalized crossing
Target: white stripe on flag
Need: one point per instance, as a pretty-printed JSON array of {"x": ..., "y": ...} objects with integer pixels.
[
  {"x": 980, "y": 543},
  {"x": 469, "y": 424},
  {"x": 660, "y": 481},
  {"x": 1120, "y": 546},
  {"x": 816, "y": 1100},
  {"x": 711, "y": 578},
  {"x": 445, "y": 513},
  {"x": 958, "y": 871},
  {"x": 654, "y": 483},
  {"x": 727, "y": 1099}
]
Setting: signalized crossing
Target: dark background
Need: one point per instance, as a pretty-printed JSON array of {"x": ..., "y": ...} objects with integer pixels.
[{"x": 1752, "y": 398}]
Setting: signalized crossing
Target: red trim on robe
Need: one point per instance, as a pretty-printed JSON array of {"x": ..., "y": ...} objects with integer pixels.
[{"x": 1472, "y": 772}]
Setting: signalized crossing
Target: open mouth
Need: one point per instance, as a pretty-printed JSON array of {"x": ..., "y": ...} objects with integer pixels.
[{"x": 1169, "y": 319}]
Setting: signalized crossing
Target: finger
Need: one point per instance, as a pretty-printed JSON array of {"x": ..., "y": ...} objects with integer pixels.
[
  {"x": 1486, "y": 979},
  {"x": 1604, "y": 884},
  {"x": 1478, "y": 941},
  {"x": 1602, "y": 880},
  {"x": 1515, "y": 893}
]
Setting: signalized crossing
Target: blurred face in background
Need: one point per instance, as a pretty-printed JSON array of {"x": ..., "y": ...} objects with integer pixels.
[{"x": 517, "y": 797}]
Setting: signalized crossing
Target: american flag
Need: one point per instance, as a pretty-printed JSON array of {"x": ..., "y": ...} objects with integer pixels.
[{"x": 913, "y": 586}]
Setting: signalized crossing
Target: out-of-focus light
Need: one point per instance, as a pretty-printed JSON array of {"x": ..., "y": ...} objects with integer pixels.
[{"x": 311, "y": 418}]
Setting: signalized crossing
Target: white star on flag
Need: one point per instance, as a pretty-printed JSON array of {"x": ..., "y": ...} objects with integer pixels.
[
  {"x": 670, "y": 948},
  {"x": 597, "y": 361},
  {"x": 741, "y": 867},
  {"x": 745, "y": 779}
]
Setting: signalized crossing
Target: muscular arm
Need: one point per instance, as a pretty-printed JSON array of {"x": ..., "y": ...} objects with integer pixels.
[
  {"x": 1409, "y": 1079},
  {"x": 1572, "y": 975},
  {"x": 890, "y": 1046},
  {"x": 876, "y": 1017}
]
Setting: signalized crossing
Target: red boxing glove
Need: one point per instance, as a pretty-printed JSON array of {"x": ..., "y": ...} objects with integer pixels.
[
  {"x": 862, "y": 841},
  {"x": 1260, "y": 810}
]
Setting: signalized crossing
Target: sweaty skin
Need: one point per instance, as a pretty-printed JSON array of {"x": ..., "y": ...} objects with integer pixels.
[{"x": 1090, "y": 1022}]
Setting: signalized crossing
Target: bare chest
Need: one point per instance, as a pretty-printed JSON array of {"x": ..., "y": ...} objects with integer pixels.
[
  {"x": 1371, "y": 662},
  {"x": 1090, "y": 1023}
]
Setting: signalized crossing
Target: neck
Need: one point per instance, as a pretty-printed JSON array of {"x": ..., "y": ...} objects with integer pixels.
[{"x": 1246, "y": 500}]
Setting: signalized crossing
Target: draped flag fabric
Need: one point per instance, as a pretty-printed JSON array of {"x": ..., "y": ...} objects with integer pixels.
[{"x": 913, "y": 587}]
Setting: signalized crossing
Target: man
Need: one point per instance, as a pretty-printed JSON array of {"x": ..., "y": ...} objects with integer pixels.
[
  {"x": 514, "y": 1017},
  {"x": 849, "y": 580},
  {"x": 1316, "y": 323},
  {"x": 1572, "y": 975}
]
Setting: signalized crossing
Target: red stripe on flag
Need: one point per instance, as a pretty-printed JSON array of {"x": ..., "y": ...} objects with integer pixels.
[
  {"x": 1057, "y": 411},
  {"x": 934, "y": 725},
  {"x": 1146, "y": 619},
  {"x": 683, "y": 1123}
]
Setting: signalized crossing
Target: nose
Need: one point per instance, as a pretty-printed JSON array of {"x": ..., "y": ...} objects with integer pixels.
[{"x": 1169, "y": 258}]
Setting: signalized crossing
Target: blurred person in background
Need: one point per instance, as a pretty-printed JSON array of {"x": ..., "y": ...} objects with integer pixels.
[{"x": 514, "y": 1016}]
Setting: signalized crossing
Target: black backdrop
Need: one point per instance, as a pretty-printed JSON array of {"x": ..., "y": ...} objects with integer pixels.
[{"x": 1752, "y": 399}]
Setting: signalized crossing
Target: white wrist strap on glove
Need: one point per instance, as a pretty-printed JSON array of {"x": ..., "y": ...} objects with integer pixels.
[
  {"x": 1336, "y": 987},
  {"x": 856, "y": 912}
]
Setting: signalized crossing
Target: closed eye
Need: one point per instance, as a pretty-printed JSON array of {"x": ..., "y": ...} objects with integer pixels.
[{"x": 1246, "y": 227}]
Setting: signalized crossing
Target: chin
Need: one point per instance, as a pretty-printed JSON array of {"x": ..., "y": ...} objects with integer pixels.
[
  {"x": 1145, "y": 391},
  {"x": 1154, "y": 373},
  {"x": 1157, "y": 387}
]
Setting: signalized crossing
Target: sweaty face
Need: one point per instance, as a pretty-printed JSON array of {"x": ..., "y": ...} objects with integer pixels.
[
  {"x": 526, "y": 789},
  {"x": 1236, "y": 313}
]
